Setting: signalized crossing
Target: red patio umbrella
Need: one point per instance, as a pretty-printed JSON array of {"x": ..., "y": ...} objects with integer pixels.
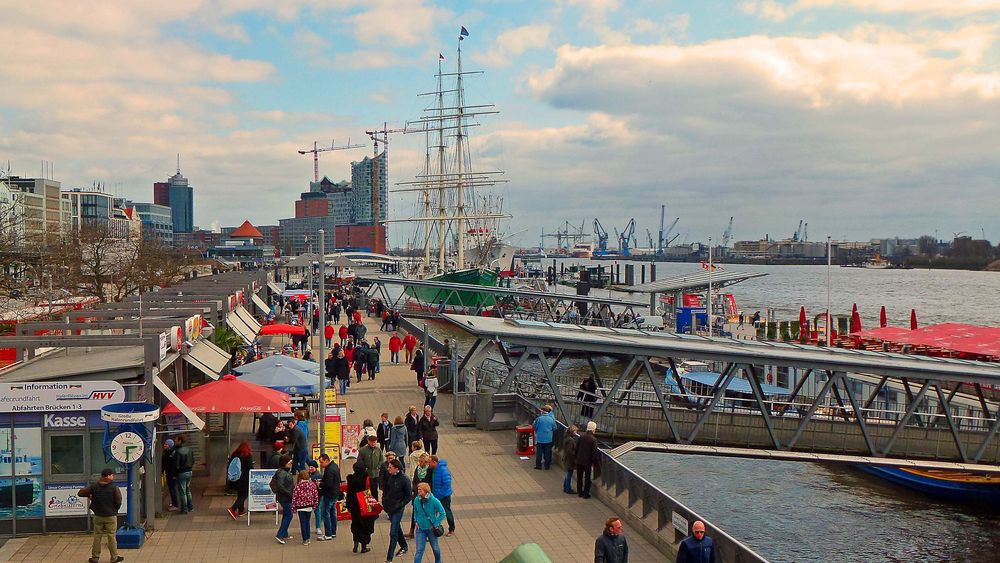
[
  {"x": 282, "y": 329},
  {"x": 803, "y": 324},
  {"x": 882, "y": 321},
  {"x": 855, "y": 321},
  {"x": 230, "y": 394},
  {"x": 913, "y": 319}
]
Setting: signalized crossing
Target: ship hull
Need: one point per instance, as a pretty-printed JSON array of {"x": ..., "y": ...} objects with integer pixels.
[
  {"x": 954, "y": 486},
  {"x": 471, "y": 299}
]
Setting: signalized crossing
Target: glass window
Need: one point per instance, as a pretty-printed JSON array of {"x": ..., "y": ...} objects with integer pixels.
[
  {"x": 66, "y": 454},
  {"x": 97, "y": 458}
]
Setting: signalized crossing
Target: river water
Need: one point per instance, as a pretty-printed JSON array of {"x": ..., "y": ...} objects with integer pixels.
[{"x": 789, "y": 511}]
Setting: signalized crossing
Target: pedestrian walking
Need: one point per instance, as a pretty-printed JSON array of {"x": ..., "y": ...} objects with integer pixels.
[
  {"x": 422, "y": 473},
  {"x": 441, "y": 485},
  {"x": 362, "y": 527},
  {"x": 105, "y": 501},
  {"x": 343, "y": 333},
  {"x": 328, "y": 334},
  {"x": 329, "y": 494},
  {"x": 428, "y": 427},
  {"x": 397, "y": 440},
  {"x": 696, "y": 548},
  {"x": 377, "y": 346},
  {"x": 611, "y": 546},
  {"x": 416, "y": 450},
  {"x": 305, "y": 499},
  {"x": 586, "y": 459},
  {"x": 409, "y": 344},
  {"x": 569, "y": 458},
  {"x": 395, "y": 343},
  {"x": 170, "y": 472},
  {"x": 428, "y": 513},
  {"x": 396, "y": 494},
  {"x": 588, "y": 396},
  {"x": 373, "y": 357},
  {"x": 372, "y": 457},
  {"x": 343, "y": 371},
  {"x": 283, "y": 486},
  {"x": 383, "y": 431},
  {"x": 184, "y": 464},
  {"x": 431, "y": 388},
  {"x": 412, "y": 425},
  {"x": 545, "y": 427},
  {"x": 240, "y": 464},
  {"x": 417, "y": 365}
]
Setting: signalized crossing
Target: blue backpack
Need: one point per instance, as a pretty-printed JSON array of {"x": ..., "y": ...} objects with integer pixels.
[{"x": 235, "y": 469}]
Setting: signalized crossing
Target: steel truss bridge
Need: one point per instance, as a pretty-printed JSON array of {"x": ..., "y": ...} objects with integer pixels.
[
  {"x": 511, "y": 303},
  {"x": 839, "y": 423}
]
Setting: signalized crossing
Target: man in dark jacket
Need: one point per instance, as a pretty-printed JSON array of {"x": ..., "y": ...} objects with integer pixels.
[
  {"x": 588, "y": 395},
  {"x": 611, "y": 546},
  {"x": 696, "y": 548},
  {"x": 105, "y": 501},
  {"x": 586, "y": 458},
  {"x": 170, "y": 472},
  {"x": 329, "y": 494},
  {"x": 568, "y": 452},
  {"x": 265, "y": 435},
  {"x": 283, "y": 485},
  {"x": 396, "y": 494},
  {"x": 299, "y": 443},
  {"x": 184, "y": 464}
]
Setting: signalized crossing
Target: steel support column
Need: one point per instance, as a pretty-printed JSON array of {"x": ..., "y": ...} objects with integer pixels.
[
  {"x": 906, "y": 417},
  {"x": 614, "y": 389},
  {"x": 727, "y": 375},
  {"x": 758, "y": 395},
  {"x": 946, "y": 407},
  {"x": 560, "y": 403},
  {"x": 664, "y": 402}
]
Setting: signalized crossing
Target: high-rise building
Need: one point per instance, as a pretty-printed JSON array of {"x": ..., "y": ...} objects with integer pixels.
[
  {"x": 96, "y": 208},
  {"x": 300, "y": 234},
  {"x": 179, "y": 196},
  {"x": 161, "y": 193},
  {"x": 156, "y": 220},
  {"x": 363, "y": 189},
  {"x": 44, "y": 215}
]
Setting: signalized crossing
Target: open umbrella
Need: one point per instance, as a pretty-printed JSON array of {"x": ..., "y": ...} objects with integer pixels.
[
  {"x": 882, "y": 321},
  {"x": 913, "y": 319},
  {"x": 803, "y": 324},
  {"x": 287, "y": 379},
  {"x": 277, "y": 360},
  {"x": 229, "y": 394},
  {"x": 282, "y": 328}
]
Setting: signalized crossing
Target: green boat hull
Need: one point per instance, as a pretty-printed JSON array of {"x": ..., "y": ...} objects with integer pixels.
[{"x": 471, "y": 299}]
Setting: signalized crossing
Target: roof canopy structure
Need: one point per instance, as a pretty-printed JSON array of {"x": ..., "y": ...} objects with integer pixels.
[
  {"x": 693, "y": 282},
  {"x": 246, "y": 230}
]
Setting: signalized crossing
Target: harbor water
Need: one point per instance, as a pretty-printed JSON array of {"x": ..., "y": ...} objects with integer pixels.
[{"x": 789, "y": 511}]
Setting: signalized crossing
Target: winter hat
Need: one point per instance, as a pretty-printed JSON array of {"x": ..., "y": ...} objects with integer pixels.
[
  {"x": 168, "y": 443},
  {"x": 591, "y": 426}
]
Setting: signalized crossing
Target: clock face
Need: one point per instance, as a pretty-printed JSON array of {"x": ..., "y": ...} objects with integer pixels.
[{"x": 127, "y": 447}]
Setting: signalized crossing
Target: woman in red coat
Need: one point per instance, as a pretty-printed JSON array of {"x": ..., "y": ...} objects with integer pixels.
[
  {"x": 394, "y": 345},
  {"x": 343, "y": 334},
  {"x": 328, "y": 334}
]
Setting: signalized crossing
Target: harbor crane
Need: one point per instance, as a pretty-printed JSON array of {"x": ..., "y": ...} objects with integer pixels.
[
  {"x": 626, "y": 237},
  {"x": 798, "y": 232},
  {"x": 728, "y": 235},
  {"x": 567, "y": 235},
  {"x": 602, "y": 237},
  {"x": 667, "y": 239},
  {"x": 333, "y": 147}
]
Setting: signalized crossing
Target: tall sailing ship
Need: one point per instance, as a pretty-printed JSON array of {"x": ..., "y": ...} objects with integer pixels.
[{"x": 459, "y": 222}]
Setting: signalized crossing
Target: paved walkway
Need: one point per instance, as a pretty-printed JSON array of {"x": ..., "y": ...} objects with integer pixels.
[{"x": 500, "y": 502}]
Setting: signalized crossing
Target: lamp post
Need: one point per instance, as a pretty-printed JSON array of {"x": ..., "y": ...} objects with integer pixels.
[
  {"x": 320, "y": 358},
  {"x": 710, "y": 286},
  {"x": 829, "y": 263}
]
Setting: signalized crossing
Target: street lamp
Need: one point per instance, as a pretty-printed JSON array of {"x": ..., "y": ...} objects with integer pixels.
[{"x": 320, "y": 358}]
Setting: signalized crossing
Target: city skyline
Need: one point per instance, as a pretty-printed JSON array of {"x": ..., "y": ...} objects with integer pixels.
[{"x": 868, "y": 119}]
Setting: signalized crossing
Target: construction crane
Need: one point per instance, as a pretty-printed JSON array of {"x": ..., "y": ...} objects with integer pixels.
[
  {"x": 655, "y": 247},
  {"x": 333, "y": 147},
  {"x": 659, "y": 238},
  {"x": 805, "y": 232},
  {"x": 728, "y": 235},
  {"x": 567, "y": 235},
  {"x": 379, "y": 136},
  {"x": 798, "y": 232},
  {"x": 602, "y": 237},
  {"x": 626, "y": 237},
  {"x": 666, "y": 235}
]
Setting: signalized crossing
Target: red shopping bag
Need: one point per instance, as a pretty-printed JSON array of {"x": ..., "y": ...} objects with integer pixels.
[{"x": 369, "y": 506}]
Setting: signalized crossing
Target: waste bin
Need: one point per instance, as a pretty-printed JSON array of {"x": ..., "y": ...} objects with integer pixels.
[{"x": 525, "y": 440}]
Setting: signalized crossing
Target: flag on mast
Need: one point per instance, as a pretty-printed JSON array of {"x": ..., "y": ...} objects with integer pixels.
[
  {"x": 463, "y": 34},
  {"x": 440, "y": 56}
]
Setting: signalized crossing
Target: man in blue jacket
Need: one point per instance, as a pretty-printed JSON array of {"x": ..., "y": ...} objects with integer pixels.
[
  {"x": 441, "y": 485},
  {"x": 545, "y": 426},
  {"x": 696, "y": 548}
]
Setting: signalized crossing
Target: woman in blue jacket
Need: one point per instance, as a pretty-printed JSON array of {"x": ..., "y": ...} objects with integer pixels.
[{"x": 429, "y": 513}]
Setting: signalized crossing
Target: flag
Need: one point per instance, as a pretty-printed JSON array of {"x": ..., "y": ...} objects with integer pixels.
[
  {"x": 463, "y": 34},
  {"x": 440, "y": 56},
  {"x": 713, "y": 267}
]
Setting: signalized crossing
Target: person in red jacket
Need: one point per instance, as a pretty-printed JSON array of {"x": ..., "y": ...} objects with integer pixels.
[
  {"x": 343, "y": 334},
  {"x": 394, "y": 345},
  {"x": 409, "y": 343},
  {"x": 357, "y": 317},
  {"x": 328, "y": 334}
]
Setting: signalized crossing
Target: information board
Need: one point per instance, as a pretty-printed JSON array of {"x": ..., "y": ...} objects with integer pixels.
[{"x": 261, "y": 499}]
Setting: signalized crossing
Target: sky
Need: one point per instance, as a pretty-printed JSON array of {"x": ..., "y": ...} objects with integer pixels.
[{"x": 864, "y": 118}]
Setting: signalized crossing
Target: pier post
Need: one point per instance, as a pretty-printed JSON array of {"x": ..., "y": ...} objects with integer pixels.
[
  {"x": 652, "y": 273},
  {"x": 643, "y": 274}
]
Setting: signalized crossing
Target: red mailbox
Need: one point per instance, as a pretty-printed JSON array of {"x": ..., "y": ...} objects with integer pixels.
[{"x": 525, "y": 440}]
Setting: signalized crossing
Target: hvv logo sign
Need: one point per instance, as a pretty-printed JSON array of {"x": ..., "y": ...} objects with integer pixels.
[{"x": 102, "y": 395}]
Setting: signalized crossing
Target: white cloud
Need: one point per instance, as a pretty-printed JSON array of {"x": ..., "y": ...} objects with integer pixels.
[
  {"x": 395, "y": 23},
  {"x": 512, "y": 42},
  {"x": 937, "y": 7},
  {"x": 766, "y": 9}
]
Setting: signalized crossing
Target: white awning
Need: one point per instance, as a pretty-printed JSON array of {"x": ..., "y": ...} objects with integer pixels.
[
  {"x": 276, "y": 287},
  {"x": 208, "y": 358},
  {"x": 163, "y": 388},
  {"x": 248, "y": 319},
  {"x": 260, "y": 303},
  {"x": 234, "y": 322}
]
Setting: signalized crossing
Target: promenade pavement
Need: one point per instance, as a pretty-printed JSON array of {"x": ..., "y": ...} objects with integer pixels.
[{"x": 500, "y": 502}]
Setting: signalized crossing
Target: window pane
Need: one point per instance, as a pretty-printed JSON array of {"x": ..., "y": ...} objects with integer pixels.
[
  {"x": 97, "y": 462},
  {"x": 66, "y": 454}
]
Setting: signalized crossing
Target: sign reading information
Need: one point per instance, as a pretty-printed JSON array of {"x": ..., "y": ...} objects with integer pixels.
[{"x": 59, "y": 396}]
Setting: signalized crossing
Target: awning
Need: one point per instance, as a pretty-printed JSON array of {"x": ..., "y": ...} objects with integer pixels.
[
  {"x": 236, "y": 323},
  {"x": 276, "y": 287},
  {"x": 260, "y": 303},
  {"x": 247, "y": 318},
  {"x": 208, "y": 358}
]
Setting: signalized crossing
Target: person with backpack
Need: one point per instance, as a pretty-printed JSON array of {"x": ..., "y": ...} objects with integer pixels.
[
  {"x": 329, "y": 494},
  {"x": 428, "y": 513},
  {"x": 283, "y": 486},
  {"x": 184, "y": 465},
  {"x": 305, "y": 499},
  {"x": 238, "y": 473},
  {"x": 431, "y": 388},
  {"x": 105, "y": 501}
]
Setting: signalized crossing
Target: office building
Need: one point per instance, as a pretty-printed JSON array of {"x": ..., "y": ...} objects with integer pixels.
[
  {"x": 98, "y": 209},
  {"x": 178, "y": 195},
  {"x": 44, "y": 217},
  {"x": 363, "y": 189},
  {"x": 157, "y": 220},
  {"x": 300, "y": 234}
]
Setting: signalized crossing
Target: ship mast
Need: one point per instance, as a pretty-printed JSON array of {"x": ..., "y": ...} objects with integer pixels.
[
  {"x": 441, "y": 147},
  {"x": 460, "y": 150}
]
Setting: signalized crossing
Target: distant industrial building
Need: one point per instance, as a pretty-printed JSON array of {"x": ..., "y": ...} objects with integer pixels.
[
  {"x": 243, "y": 245},
  {"x": 178, "y": 195}
]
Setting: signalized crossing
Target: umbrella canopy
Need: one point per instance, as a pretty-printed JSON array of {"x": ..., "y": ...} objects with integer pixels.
[
  {"x": 277, "y": 360},
  {"x": 803, "y": 324},
  {"x": 282, "y": 328},
  {"x": 913, "y": 319},
  {"x": 286, "y": 379},
  {"x": 855, "y": 321},
  {"x": 882, "y": 321},
  {"x": 342, "y": 262},
  {"x": 229, "y": 394}
]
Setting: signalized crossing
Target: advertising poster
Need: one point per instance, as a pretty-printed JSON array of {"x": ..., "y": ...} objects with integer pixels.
[
  {"x": 332, "y": 450},
  {"x": 27, "y": 454},
  {"x": 332, "y": 429},
  {"x": 350, "y": 440},
  {"x": 261, "y": 498},
  {"x": 23, "y": 492},
  {"x": 61, "y": 500}
]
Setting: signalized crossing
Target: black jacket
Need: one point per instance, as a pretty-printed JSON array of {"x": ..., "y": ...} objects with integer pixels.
[
  {"x": 428, "y": 428},
  {"x": 329, "y": 483},
  {"x": 396, "y": 492},
  {"x": 183, "y": 458},
  {"x": 611, "y": 549},
  {"x": 412, "y": 429},
  {"x": 265, "y": 432},
  {"x": 382, "y": 432},
  {"x": 298, "y": 438},
  {"x": 105, "y": 498},
  {"x": 586, "y": 450},
  {"x": 169, "y": 463},
  {"x": 284, "y": 485}
]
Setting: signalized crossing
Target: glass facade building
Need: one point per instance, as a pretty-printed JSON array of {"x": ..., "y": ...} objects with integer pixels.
[
  {"x": 362, "y": 190},
  {"x": 157, "y": 221}
]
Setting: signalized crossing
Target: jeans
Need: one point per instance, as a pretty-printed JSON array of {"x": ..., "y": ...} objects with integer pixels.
[
  {"x": 568, "y": 481},
  {"x": 286, "y": 519},
  {"x": 395, "y": 534},
  {"x": 394, "y": 357},
  {"x": 105, "y": 527},
  {"x": 343, "y": 386},
  {"x": 184, "y": 491},
  {"x": 431, "y": 400},
  {"x": 424, "y": 536},
  {"x": 172, "y": 487},
  {"x": 543, "y": 455},
  {"x": 300, "y": 460},
  {"x": 304, "y": 523},
  {"x": 328, "y": 342},
  {"x": 328, "y": 515},
  {"x": 431, "y": 446},
  {"x": 446, "y": 503}
]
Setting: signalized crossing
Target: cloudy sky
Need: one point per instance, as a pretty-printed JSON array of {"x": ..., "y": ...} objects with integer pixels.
[{"x": 866, "y": 118}]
